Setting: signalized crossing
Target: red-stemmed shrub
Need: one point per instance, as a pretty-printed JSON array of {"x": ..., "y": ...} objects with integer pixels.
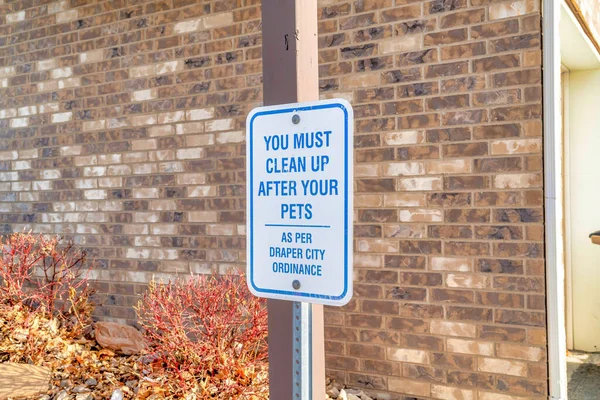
[
  {"x": 210, "y": 334},
  {"x": 38, "y": 274},
  {"x": 44, "y": 297}
]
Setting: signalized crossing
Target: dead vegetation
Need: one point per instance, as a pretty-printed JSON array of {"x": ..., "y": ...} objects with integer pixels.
[{"x": 206, "y": 335}]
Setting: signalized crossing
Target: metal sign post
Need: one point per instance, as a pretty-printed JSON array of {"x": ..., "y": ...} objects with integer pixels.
[
  {"x": 302, "y": 349},
  {"x": 290, "y": 75}
]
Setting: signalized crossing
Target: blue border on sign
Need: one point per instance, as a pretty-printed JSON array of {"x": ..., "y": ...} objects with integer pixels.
[{"x": 346, "y": 190}]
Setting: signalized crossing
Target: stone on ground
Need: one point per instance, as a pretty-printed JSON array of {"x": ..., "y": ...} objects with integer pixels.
[
  {"x": 337, "y": 391},
  {"x": 333, "y": 392},
  {"x": 119, "y": 337},
  {"x": 62, "y": 395},
  {"x": 117, "y": 395},
  {"x": 346, "y": 395},
  {"x": 23, "y": 380}
]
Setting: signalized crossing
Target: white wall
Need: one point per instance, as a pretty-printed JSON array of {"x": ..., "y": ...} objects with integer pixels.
[{"x": 583, "y": 182}]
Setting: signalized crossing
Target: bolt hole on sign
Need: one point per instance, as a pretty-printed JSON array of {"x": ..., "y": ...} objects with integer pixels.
[{"x": 300, "y": 201}]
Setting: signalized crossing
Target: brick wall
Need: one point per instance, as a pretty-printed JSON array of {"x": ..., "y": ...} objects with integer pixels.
[{"x": 122, "y": 128}]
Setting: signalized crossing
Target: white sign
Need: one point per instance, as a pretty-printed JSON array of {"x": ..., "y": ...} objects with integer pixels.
[{"x": 299, "y": 201}]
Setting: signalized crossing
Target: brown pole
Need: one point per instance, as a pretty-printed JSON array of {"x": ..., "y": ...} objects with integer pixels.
[{"x": 291, "y": 74}]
